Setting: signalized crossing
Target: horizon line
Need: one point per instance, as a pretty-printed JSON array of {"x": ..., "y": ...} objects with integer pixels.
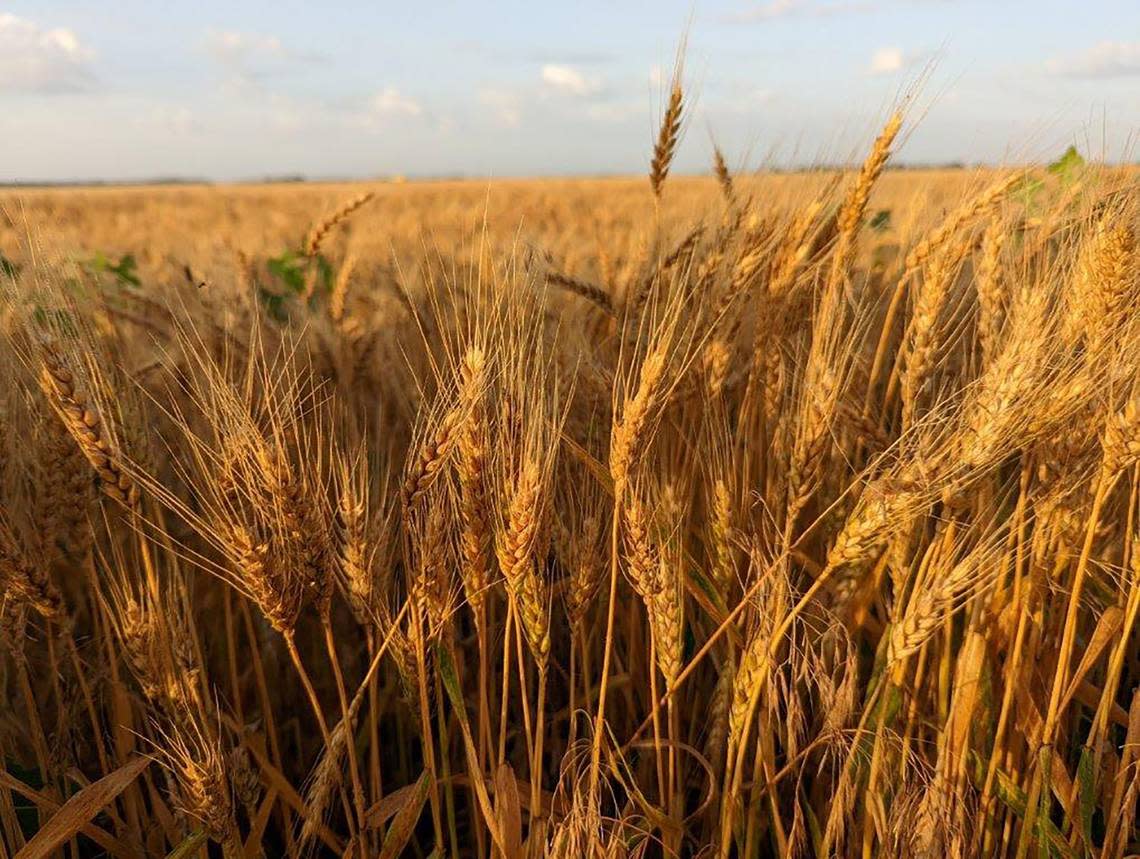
[{"x": 460, "y": 176}]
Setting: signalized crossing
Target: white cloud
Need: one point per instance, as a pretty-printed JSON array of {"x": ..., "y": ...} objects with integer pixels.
[
  {"x": 1104, "y": 60},
  {"x": 614, "y": 111},
  {"x": 289, "y": 116},
  {"x": 391, "y": 102},
  {"x": 248, "y": 58},
  {"x": 33, "y": 59},
  {"x": 886, "y": 61},
  {"x": 892, "y": 60},
  {"x": 179, "y": 121},
  {"x": 570, "y": 80},
  {"x": 742, "y": 99},
  {"x": 504, "y": 106},
  {"x": 234, "y": 48}
]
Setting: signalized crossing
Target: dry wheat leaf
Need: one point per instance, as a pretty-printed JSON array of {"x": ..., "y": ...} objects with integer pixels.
[
  {"x": 404, "y": 822},
  {"x": 383, "y": 810},
  {"x": 1106, "y": 631},
  {"x": 81, "y": 809},
  {"x": 508, "y": 809}
]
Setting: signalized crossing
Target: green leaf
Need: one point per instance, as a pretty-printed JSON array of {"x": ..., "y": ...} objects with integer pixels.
[
  {"x": 450, "y": 678},
  {"x": 60, "y": 322},
  {"x": 273, "y": 303},
  {"x": 1010, "y": 794},
  {"x": 881, "y": 221},
  {"x": 189, "y": 845},
  {"x": 708, "y": 589},
  {"x": 293, "y": 270},
  {"x": 7, "y": 267},
  {"x": 1086, "y": 794},
  {"x": 123, "y": 271},
  {"x": 324, "y": 274},
  {"x": 289, "y": 269},
  {"x": 1068, "y": 164}
]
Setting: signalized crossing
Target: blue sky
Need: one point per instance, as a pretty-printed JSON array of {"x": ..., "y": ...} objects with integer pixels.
[{"x": 226, "y": 90}]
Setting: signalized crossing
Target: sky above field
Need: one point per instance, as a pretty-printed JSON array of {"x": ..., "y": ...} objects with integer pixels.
[{"x": 223, "y": 90}]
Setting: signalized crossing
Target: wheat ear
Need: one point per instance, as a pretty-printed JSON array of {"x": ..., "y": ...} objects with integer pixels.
[
  {"x": 322, "y": 228},
  {"x": 666, "y": 146}
]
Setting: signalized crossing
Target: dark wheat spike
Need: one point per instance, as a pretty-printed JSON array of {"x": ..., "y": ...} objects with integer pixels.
[
  {"x": 591, "y": 292},
  {"x": 322, "y": 228},
  {"x": 666, "y": 146},
  {"x": 723, "y": 177}
]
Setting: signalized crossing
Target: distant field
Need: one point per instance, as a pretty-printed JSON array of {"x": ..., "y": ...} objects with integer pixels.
[{"x": 165, "y": 227}]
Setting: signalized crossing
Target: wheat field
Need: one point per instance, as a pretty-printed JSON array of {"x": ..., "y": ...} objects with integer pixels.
[{"x": 725, "y": 516}]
